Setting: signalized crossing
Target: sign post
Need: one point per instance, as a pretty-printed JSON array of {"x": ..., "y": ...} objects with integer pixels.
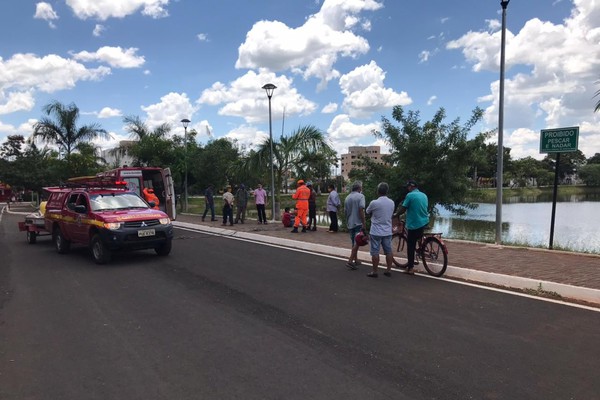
[{"x": 560, "y": 140}]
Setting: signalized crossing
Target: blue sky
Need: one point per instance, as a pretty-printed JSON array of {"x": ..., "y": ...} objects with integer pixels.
[{"x": 338, "y": 64}]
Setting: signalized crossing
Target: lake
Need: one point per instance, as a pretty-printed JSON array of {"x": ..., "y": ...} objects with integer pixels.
[{"x": 526, "y": 221}]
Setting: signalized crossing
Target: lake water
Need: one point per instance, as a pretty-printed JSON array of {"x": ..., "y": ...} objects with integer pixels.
[
  {"x": 525, "y": 221},
  {"x": 576, "y": 225}
]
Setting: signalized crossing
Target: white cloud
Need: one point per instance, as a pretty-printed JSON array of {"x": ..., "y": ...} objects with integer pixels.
[
  {"x": 16, "y": 101},
  {"x": 247, "y": 136},
  {"x": 424, "y": 56},
  {"x": 343, "y": 133},
  {"x": 108, "y": 112},
  {"x": 48, "y": 74},
  {"x": 313, "y": 48},
  {"x": 366, "y": 93},
  {"x": 98, "y": 29},
  {"x": 113, "y": 56},
  {"x": 330, "y": 108},
  {"x": 431, "y": 100},
  {"x": 173, "y": 107},
  {"x": 553, "y": 87},
  {"x": 104, "y": 9},
  {"x": 45, "y": 11},
  {"x": 244, "y": 97},
  {"x": 202, "y": 37}
]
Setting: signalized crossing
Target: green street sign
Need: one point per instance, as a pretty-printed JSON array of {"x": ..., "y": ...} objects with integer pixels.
[{"x": 560, "y": 140}]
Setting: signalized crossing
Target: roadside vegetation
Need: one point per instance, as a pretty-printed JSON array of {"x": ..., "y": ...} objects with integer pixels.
[{"x": 455, "y": 170}]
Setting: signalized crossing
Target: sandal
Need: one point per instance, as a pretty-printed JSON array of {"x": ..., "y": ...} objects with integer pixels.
[
  {"x": 351, "y": 266},
  {"x": 372, "y": 274}
]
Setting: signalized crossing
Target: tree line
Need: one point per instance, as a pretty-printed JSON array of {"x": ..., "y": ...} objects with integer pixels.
[{"x": 436, "y": 153}]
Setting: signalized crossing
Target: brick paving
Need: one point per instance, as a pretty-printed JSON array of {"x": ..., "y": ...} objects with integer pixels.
[{"x": 569, "y": 268}]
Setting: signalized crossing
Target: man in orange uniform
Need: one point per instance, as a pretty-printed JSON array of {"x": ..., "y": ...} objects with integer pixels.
[
  {"x": 150, "y": 196},
  {"x": 301, "y": 196}
]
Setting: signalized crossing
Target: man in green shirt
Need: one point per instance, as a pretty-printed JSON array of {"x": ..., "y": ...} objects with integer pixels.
[{"x": 416, "y": 206}]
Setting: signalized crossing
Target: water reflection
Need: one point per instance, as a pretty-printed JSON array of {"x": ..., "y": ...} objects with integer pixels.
[{"x": 576, "y": 224}]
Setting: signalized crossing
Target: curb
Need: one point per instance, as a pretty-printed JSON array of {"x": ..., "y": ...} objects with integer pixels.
[{"x": 508, "y": 281}]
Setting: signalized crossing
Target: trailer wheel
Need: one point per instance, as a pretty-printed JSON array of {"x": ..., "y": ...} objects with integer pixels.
[{"x": 31, "y": 237}]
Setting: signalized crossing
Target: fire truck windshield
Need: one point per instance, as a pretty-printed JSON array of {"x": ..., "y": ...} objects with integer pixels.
[{"x": 116, "y": 201}]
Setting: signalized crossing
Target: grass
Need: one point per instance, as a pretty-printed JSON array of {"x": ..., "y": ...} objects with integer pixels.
[
  {"x": 541, "y": 292},
  {"x": 488, "y": 195}
]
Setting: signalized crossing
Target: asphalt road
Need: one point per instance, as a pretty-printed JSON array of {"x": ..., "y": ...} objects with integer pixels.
[{"x": 228, "y": 319}]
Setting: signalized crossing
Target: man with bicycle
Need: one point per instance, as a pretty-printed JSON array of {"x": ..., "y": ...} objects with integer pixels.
[{"x": 416, "y": 206}]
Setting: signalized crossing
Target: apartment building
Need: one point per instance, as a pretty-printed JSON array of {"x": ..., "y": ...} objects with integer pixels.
[{"x": 350, "y": 160}]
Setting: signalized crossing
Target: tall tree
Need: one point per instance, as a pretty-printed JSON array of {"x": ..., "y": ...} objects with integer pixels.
[
  {"x": 63, "y": 131},
  {"x": 433, "y": 153},
  {"x": 87, "y": 161},
  {"x": 13, "y": 147}
]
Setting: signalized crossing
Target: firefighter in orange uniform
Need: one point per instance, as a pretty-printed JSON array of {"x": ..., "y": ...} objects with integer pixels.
[
  {"x": 301, "y": 196},
  {"x": 150, "y": 196}
]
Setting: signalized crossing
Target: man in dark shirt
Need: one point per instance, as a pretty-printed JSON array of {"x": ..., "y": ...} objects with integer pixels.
[{"x": 209, "y": 203}]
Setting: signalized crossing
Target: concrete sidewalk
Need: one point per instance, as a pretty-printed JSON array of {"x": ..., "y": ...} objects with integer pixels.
[{"x": 573, "y": 276}]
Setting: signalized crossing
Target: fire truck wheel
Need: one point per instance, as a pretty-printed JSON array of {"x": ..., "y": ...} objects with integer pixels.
[
  {"x": 31, "y": 237},
  {"x": 62, "y": 245},
  {"x": 164, "y": 249},
  {"x": 100, "y": 252}
]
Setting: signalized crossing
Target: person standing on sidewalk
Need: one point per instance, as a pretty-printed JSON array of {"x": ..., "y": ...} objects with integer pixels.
[
  {"x": 312, "y": 207},
  {"x": 228, "y": 201},
  {"x": 209, "y": 203},
  {"x": 381, "y": 211},
  {"x": 416, "y": 206},
  {"x": 260, "y": 198},
  {"x": 241, "y": 200},
  {"x": 354, "y": 207},
  {"x": 333, "y": 204},
  {"x": 301, "y": 196}
]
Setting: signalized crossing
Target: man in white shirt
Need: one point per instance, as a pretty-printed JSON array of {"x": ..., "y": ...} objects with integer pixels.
[{"x": 381, "y": 211}]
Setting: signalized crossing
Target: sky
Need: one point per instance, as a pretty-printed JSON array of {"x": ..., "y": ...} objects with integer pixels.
[{"x": 340, "y": 65}]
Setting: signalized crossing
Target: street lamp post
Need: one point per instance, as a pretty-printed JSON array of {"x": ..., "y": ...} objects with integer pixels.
[
  {"x": 500, "y": 158},
  {"x": 269, "y": 88},
  {"x": 185, "y": 122}
]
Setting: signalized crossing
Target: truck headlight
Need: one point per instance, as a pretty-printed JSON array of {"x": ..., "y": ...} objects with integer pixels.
[
  {"x": 165, "y": 221},
  {"x": 113, "y": 226}
]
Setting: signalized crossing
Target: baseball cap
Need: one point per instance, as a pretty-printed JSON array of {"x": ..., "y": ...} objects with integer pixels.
[
  {"x": 309, "y": 183},
  {"x": 300, "y": 182},
  {"x": 410, "y": 182}
]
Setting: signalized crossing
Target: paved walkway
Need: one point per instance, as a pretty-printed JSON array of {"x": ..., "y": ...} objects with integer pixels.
[{"x": 572, "y": 275}]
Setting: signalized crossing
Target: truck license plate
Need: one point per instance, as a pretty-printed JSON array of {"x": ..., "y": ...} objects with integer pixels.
[{"x": 146, "y": 232}]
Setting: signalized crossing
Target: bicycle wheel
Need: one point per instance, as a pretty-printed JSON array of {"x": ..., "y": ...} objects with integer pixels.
[
  {"x": 434, "y": 255},
  {"x": 399, "y": 248}
]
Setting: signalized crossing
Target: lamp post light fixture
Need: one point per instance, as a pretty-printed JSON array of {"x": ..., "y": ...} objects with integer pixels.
[
  {"x": 500, "y": 158},
  {"x": 269, "y": 88},
  {"x": 185, "y": 122}
]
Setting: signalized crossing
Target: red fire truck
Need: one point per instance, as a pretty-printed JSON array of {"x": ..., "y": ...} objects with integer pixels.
[{"x": 138, "y": 178}]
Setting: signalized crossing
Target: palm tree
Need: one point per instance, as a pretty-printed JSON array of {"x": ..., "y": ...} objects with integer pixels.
[
  {"x": 139, "y": 130},
  {"x": 292, "y": 154},
  {"x": 63, "y": 131},
  {"x": 150, "y": 143}
]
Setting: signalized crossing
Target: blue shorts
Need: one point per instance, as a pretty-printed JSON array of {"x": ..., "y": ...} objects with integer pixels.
[
  {"x": 353, "y": 232},
  {"x": 384, "y": 241}
]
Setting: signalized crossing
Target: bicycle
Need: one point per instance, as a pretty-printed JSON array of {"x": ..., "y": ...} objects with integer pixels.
[{"x": 431, "y": 249}]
